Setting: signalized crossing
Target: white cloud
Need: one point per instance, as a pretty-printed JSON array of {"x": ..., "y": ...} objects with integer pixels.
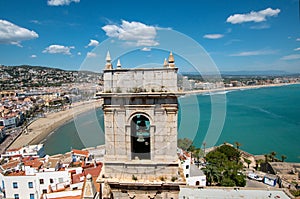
[
  {"x": 213, "y": 36},
  {"x": 133, "y": 32},
  {"x": 90, "y": 54},
  {"x": 58, "y": 49},
  {"x": 93, "y": 43},
  {"x": 254, "y": 53},
  {"x": 33, "y": 56},
  {"x": 296, "y": 49},
  {"x": 79, "y": 53},
  {"x": 35, "y": 21},
  {"x": 298, "y": 39},
  {"x": 146, "y": 49},
  {"x": 13, "y": 34},
  {"x": 232, "y": 41},
  {"x": 61, "y": 2},
  {"x": 291, "y": 57},
  {"x": 261, "y": 26},
  {"x": 253, "y": 16}
]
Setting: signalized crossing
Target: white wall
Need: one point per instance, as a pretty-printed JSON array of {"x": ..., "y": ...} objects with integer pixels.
[
  {"x": 23, "y": 189},
  {"x": 60, "y": 179},
  {"x": 192, "y": 181}
]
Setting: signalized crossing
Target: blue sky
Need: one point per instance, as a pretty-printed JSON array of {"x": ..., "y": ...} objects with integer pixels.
[{"x": 238, "y": 35}]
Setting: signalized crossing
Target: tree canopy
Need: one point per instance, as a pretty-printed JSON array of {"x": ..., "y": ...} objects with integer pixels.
[{"x": 225, "y": 163}]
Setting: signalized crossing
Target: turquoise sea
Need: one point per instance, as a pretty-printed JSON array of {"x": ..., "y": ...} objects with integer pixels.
[{"x": 262, "y": 120}]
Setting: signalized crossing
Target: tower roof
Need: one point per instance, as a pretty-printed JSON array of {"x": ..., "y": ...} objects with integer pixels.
[
  {"x": 171, "y": 58},
  {"x": 108, "y": 59},
  {"x": 108, "y": 65},
  {"x": 165, "y": 63},
  {"x": 119, "y": 64}
]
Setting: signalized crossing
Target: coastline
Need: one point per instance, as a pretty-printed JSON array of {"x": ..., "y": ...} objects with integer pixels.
[
  {"x": 42, "y": 127},
  {"x": 238, "y": 88}
]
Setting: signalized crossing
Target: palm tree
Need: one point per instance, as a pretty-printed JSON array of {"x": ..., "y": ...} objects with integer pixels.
[
  {"x": 283, "y": 157},
  {"x": 258, "y": 162},
  {"x": 272, "y": 155},
  {"x": 266, "y": 158},
  {"x": 248, "y": 162},
  {"x": 237, "y": 144},
  {"x": 212, "y": 174},
  {"x": 204, "y": 145}
]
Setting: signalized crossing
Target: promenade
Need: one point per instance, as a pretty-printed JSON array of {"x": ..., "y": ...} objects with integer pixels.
[{"x": 42, "y": 127}]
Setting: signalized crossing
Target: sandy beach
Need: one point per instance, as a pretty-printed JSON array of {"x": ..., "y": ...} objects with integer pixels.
[
  {"x": 237, "y": 88},
  {"x": 42, "y": 127}
]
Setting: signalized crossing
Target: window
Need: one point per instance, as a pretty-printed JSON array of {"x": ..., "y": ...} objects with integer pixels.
[
  {"x": 44, "y": 190},
  {"x": 187, "y": 166},
  {"x": 41, "y": 181},
  {"x": 16, "y": 196},
  {"x": 186, "y": 175},
  {"x": 51, "y": 180},
  {"x": 140, "y": 137},
  {"x": 15, "y": 185},
  {"x": 31, "y": 196},
  {"x": 30, "y": 184}
]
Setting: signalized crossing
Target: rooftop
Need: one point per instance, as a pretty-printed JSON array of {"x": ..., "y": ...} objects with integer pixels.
[{"x": 231, "y": 193}]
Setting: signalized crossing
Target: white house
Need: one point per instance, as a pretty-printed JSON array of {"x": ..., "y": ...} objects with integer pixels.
[
  {"x": 193, "y": 175},
  {"x": 8, "y": 122},
  {"x": 30, "y": 150},
  {"x": 196, "y": 177},
  {"x": 21, "y": 186}
]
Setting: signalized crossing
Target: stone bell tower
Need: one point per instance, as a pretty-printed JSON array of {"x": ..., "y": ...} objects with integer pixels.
[{"x": 140, "y": 119}]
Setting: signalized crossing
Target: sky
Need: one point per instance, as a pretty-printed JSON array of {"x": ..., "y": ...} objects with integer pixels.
[{"x": 248, "y": 35}]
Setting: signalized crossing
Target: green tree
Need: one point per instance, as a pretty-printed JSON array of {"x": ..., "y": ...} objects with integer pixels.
[
  {"x": 216, "y": 158},
  {"x": 283, "y": 157},
  {"x": 258, "y": 162},
  {"x": 230, "y": 152},
  {"x": 204, "y": 147},
  {"x": 237, "y": 144},
  {"x": 247, "y": 161},
  {"x": 212, "y": 174},
  {"x": 227, "y": 182},
  {"x": 226, "y": 160},
  {"x": 266, "y": 158},
  {"x": 272, "y": 156},
  {"x": 240, "y": 180},
  {"x": 197, "y": 153},
  {"x": 184, "y": 143}
]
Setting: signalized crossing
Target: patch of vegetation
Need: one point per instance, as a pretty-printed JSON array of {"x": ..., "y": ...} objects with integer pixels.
[
  {"x": 295, "y": 193},
  {"x": 224, "y": 167},
  {"x": 162, "y": 178},
  {"x": 174, "y": 178},
  {"x": 134, "y": 178}
]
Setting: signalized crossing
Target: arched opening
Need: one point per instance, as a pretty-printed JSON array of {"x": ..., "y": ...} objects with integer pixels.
[
  {"x": 197, "y": 183},
  {"x": 140, "y": 137}
]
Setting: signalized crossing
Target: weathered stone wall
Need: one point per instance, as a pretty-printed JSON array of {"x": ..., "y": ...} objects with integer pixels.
[
  {"x": 140, "y": 80},
  {"x": 163, "y": 131}
]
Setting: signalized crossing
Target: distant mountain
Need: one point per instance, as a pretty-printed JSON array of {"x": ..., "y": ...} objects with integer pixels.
[
  {"x": 257, "y": 73},
  {"x": 245, "y": 73}
]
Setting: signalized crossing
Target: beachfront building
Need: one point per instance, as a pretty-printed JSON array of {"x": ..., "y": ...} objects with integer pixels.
[
  {"x": 9, "y": 121},
  {"x": 140, "y": 118},
  {"x": 26, "y": 151}
]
